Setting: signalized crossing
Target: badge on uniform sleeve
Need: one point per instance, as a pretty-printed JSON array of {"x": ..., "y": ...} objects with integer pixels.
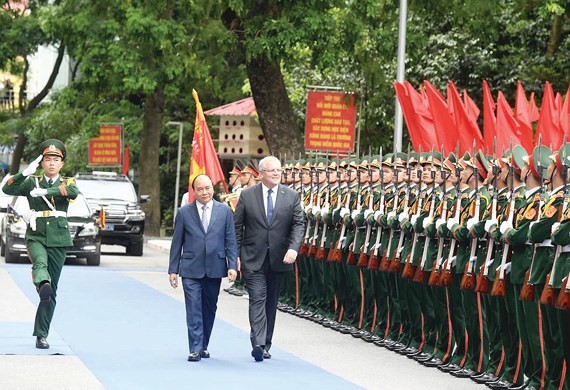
[
  {"x": 530, "y": 213},
  {"x": 550, "y": 211}
]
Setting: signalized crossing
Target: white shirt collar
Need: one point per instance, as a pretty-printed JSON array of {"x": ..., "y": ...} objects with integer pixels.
[
  {"x": 53, "y": 179},
  {"x": 208, "y": 205}
]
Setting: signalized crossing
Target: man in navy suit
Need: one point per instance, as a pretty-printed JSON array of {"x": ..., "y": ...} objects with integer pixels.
[
  {"x": 203, "y": 251},
  {"x": 269, "y": 228}
]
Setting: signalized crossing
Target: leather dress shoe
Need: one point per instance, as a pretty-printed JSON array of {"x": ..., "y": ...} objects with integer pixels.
[
  {"x": 317, "y": 317},
  {"x": 463, "y": 373},
  {"x": 329, "y": 323},
  {"x": 499, "y": 385},
  {"x": 205, "y": 354},
  {"x": 194, "y": 357},
  {"x": 371, "y": 338},
  {"x": 41, "y": 343},
  {"x": 433, "y": 362},
  {"x": 409, "y": 351},
  {"x": 485, "y": 378},
  {"x": 422, "y": 357},
  {"x": 521, "y": 387},
  {"x": 396, "y": 346},
  {"x": 449, "y": 367},
  {"x": 346, "y": 329},
  {"x": 45, "y": 291},
  {"x": 266, "y": 354},
  {"x": 359, "y": 333},
  {"x": 257, "y": 353}
]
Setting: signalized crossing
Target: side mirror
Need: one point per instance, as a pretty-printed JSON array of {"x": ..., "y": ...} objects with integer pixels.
[{"x": 145, "y": 199}]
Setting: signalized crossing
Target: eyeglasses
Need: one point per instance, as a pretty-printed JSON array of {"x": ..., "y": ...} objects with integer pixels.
[{"x": 272, "y": 170}]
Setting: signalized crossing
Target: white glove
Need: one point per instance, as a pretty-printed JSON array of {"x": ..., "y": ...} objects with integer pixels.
[
  {"x": 427, "y": 221},
  {"x": 554, "y": 227},
  {"x": 402, "y": 217},
  {"x": 489, "y": 224},
  {"x": 324, "y": 210},
  {"x": 391, "y": 215},
  {"x": 315, "y": 210},
  {"x": 471, "y": 222},
  {"x": 439, "y": 223},
  {"x": 33, "y": 167},
  {"x": 414, "y": 219},
  {"x": 308, "y": 209},
  {"x": 38, "y": 192},
  {"x": 377, "y": 215},
  {"x": 354, "y": 214},
  {"x": 344, "y": 212},
  {"x": 506, "y": 225},
  {"x": 451, "y": 222},
  {"x": 367, "y": 213}
]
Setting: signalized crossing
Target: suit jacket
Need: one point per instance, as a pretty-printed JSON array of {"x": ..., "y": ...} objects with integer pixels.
[
  {"x": 256, "y": 237},
  {"x": 50, "y": 231},
  {"x": 195, "y": 253}
]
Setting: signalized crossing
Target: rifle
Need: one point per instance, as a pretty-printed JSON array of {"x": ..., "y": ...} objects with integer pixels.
[
  {"x": 468, "y": 279},
  {"x": 321, "y": 251},
  {"x": 333, "y": 251},
  {"x": 528, "y": 290},
  {"x": 563, "y": 300},
  {"x": 409, "y": 269},
  {"x": 314, "y": 237},
  {"x": 351, "y": 258},
  {"x": 336, "y": 255},
  {"x": 385, "y": 262},
  {"x": 304, "y": 251},
  {"x": 420, "y": 275},
  {"x": 373, "y": 262},
  {"x": 482, "y": 285},
  {"x": 435, "y": 275},
  {"x": 548, "y": 296},
  {"x": 364, "y": 258},
  {"x": 396, "y": 263}
]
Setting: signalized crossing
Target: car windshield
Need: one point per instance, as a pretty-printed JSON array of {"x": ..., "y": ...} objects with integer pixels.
[
  {"x": 77, "y": 207},
  {"x": 99, "y": 189}
]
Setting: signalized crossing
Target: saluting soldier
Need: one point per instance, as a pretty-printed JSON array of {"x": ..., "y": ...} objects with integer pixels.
[{"x": 47, "y": 235}]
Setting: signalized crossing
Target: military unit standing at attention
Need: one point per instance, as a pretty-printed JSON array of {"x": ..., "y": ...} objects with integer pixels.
[{"x": 459, "y": 262}]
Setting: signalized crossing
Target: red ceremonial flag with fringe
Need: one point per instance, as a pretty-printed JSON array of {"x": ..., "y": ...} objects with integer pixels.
[
  {"x": 204, "y": 157},
  {"x": 489, "y": 119},
  {"x": 549, "y": 121}
]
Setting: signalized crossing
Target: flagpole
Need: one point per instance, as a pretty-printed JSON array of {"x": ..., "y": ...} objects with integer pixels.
[
  {"x": 400, "y": 73},
  {"x": 181, "y": 127}
]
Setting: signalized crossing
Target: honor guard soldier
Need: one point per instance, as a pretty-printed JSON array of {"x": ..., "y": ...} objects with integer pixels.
[{"x": 47, "y": 235}]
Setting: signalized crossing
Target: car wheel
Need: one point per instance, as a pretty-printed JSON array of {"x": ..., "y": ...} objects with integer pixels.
[
  {"x": 135, "y": 248},
  {"x": 94, "y": 259},
  {"x": 2, "y": 247},
  {"x": 11, "y": 257}
]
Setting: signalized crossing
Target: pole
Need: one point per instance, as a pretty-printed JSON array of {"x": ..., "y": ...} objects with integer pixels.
[
  {"x": 180, "y": 127},
  {"x": 400, "y": 73}
]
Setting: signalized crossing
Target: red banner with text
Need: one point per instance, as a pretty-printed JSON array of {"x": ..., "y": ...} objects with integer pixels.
[
  {"x": 330, "y": 121},
  {"x": 106, "y": 149}
]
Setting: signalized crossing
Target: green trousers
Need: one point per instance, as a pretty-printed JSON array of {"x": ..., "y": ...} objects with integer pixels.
[{"x": 46, "y": 267}]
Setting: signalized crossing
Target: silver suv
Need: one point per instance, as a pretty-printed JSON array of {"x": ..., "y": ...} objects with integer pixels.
[{"x": 124, "y": 218}]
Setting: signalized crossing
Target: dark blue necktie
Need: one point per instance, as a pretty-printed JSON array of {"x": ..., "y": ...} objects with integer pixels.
[
  {"x": 50, "y": 182},
  {"x": 269, "y": 206}
]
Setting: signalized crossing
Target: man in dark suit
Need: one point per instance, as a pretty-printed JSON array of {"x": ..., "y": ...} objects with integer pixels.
[
  {"x": 202, "y": 252},
  {"x": 269, "y": 228}
]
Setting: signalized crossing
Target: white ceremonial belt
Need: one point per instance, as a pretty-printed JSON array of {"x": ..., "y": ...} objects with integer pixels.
[
  {"x": 49, "y": 213},
  {"x": 545, "y": 243},
  {"x": 420, "y": 234},
  {"x": 565, "y": 249}
]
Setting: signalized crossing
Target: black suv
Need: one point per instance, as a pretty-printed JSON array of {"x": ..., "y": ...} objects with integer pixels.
[{"x": 124, "y": 218}]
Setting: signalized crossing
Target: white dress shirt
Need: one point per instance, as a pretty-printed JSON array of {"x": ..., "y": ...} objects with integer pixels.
[{"x": 273, "y": 197}]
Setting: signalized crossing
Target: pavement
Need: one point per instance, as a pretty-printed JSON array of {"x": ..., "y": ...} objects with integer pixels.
[{"x": 128, "y": 331}]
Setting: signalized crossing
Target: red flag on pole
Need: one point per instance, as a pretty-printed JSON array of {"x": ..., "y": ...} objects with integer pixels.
[
  {"x": 533, "y": 108},
  {"x": 126, "y": 160},
  {"x": 466, "y": 128},
  {"x": 510, "y": 128},
  {"x": 412, "y": 124},
  {"x": 204, "y": 157},
  {"x": 549, "y": 121},
  {"x": 444, "y": 124},
  {"x": 489, "y": 119},
  {"x": 565, "y": 115},
  {"x": 522, "y": 115}
]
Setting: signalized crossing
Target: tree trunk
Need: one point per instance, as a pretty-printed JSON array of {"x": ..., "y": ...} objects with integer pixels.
[
  {"x": 273, "y": 106},
  {"x": 555, "y": 37},
  {"x": 149, "y": 180}
]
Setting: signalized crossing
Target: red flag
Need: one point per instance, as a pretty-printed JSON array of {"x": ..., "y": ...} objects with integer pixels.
[
  {"x": 444, "y": 124},
  {"x": 204, "y": 157},
  {"x": 522, "y": 115},
  {"x": 126, "y": 159},
  {"x": 533, "y": 109},
  {"x": 510, "y": 128},
  {"x": 467, "y": 130},
  {"x": 424, "y": 117},
  {"x": 470, "y": 107},
  {"x": 412, "y": 124},
  {"x": 565, "y": 115},
  {"x": 489, "y": 120},
  {"x": 549, "y": 121}
]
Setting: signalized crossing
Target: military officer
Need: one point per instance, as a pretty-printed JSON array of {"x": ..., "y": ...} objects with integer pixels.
[{"x": 47, "y": 235}]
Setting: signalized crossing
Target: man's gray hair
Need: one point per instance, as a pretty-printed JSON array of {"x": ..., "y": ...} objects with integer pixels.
[{"x": 266, "y": 160}]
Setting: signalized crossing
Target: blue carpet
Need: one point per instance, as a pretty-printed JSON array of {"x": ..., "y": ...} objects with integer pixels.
[
  {"x": 131, "y": 336},
  {"x": 16, "y": 339}
]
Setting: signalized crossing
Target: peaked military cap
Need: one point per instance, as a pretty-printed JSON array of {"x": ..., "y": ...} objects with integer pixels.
[
  {"x": 561, "y": 159},
  {"x": 53, "y": 147},
  {"x": 449, "y": 162},
  {"x": 483, "y": 165},
  {"x": 251, "y": 170},
  {"x": 235, "y": 171},
  {"x": 519, "y": 154},
  {"x": 539, "y": 158},
  {"x": 321, "y": 164}
]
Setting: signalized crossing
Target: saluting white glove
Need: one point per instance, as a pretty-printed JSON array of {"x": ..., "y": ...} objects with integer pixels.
[
  {"x": 506, "y": 225},
  {"x": 471, "y": 222},
  {"x": 426, "y": 222},
  {"x": 451, "y": 222},
  {"x": 38, "y": 192},
  {"x": 33, "y": 167},
  {"x": 439, "y": 223},
  {"x": 489, "y": 224},
  {"x": 554, "y": 227}
]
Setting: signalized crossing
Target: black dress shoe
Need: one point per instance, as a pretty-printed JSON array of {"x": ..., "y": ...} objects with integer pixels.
[
  {"x": 422, "y": 357},
  {"x": 257, "y": 353},
  {"x": 409, "y": 351},
  {"x": 485, "y": 378},
  {"x": 41, "y": 343},
  {"x": 499, "y": 385},
  {"x": 45, "y": 291},
  {"x": 266, "y": 354},
  {"x": 463, "y": 373},
  {"x": 205, "y": 354},
  {"x": 194, "y": 357},
  {"x": 519, "y": 387},
  {"x": 449, "y": 367},
  {"x": 434, "y": 362}
]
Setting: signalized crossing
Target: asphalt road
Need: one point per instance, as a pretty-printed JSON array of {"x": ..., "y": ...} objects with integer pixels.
[{"x": 362, "y": 364}]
